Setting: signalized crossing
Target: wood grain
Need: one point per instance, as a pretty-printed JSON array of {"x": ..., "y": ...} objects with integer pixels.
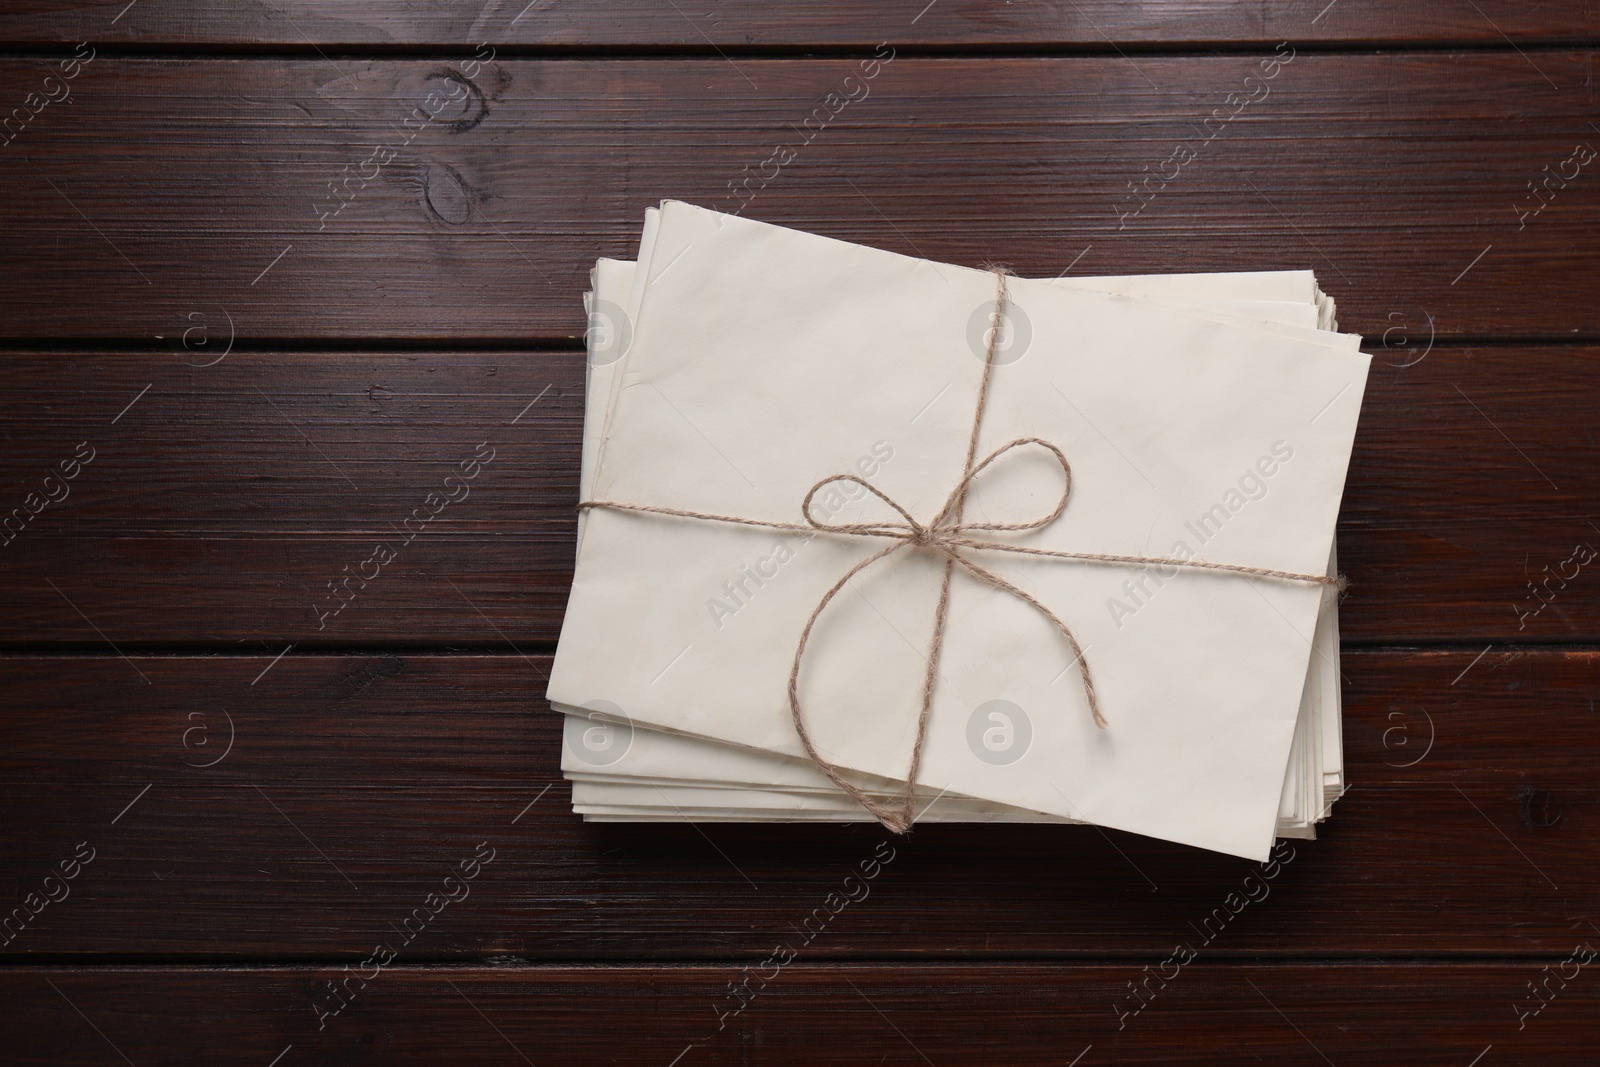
[
  {"x": 354, "y": 784},
  {"x": 244, "y": 488},
  {"x": 1396, "y": 176},
  {"x": 739, "y": 24},
  {"x": 1025, "y": 1014}
]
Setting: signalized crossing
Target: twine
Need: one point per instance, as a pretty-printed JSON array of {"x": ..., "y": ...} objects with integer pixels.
[{"x": 946, "y": 534}]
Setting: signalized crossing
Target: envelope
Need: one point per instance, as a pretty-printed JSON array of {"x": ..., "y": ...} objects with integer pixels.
[{"x": 765, "y": 359}]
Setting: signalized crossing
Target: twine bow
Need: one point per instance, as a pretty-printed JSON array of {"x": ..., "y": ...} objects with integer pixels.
[{"x": 948, "y": 535}]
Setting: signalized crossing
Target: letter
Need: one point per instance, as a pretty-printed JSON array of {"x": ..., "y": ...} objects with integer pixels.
[
  {"x": 363, "y": 577},
  {"x": 69, "y": 474},
  {"x": 1227, "y": 902},
  {"x": 376, "y": 970},
  {"x": 883, "y": 450},
  {"x": 386, "y": 155},
  {"x": 775, "y": 969},
  {"x": 761, "y": 571},
  {"x": 1576, "y": 166},
  {"x": 850, "y": 97},
  {"x": 1275, "y": 863},
  {"x": 1181, "y": 953},
  {"x": 1269, "y": 68},
  {"x": 443, "y": 502},
  {"x": 733, "y": 594},
  {"x": 1217, "y": 514},
  {"x": 785, "y": 154},
  {"x": 1267, "y": 466},
  {"x": 1266, "y": 90},
  {"x": 879, "y": 852},
  {"x": 1584, "y": 952},
  {"x": 334, "y": 589},
  {"x": 874, "y": 866},
  {"x": 853, "y": 490},
  {"x": 1576, "y": 968},
  {"x": 1176, "y": 170},
  {"x": 1546, "y": 582},
  {"x": 386, "y": 955},
  {"x": 869, "y": 68},
  {"x": 1282, "y": 450},
  {"x": 79, "y": 853},
  {"x": 1522, "y": 216},
  {"x": 29, "y": 899},
  {"x": 832, "y": 501},
  {"x": 1124, "y": 216},
  {"x": 1585, "y": 152},
  {"x": 422, "y": 924},
  {"x": 1176, "y": 969},
  {"x": 810, "y": 933},
  {"x": 1146, "y": 575},
  {"x": 66, "y": 890},
  {"x": 1206, "y": 922},
  {"x": 783, "y": 553},
  {"x": 470, "y": 869},
  {"x": 805, "y": 124},
  {"x": 1123, "y": 1016},
  {"x": 66, "y": 90},
  {"x": 1220, "y": 124},
  {"x": 1229, "y": 497},
  {"x": 1588, "y": 554},
  {"x": 1144, "y": 982},
  {"x": 1285, "y": 44},
  {"x": 27, "y": 102},
  {"x": 1265, "y": 889},
  {"x": 1114, "y": 606},
  {"x": 830, "y": 898},
  {"x": 490, "y": 457},
  {"x": 32, "y": 498},
  {"x": 75, "y": 68},
  {"x": 384, "y": 554},
  {"x": 1535, "y": 590},
  {"x": 323, "y": 617},
  {"x": 866, "y": 890},
  {"x": 776, "y": 169},
  {"x": 740, "y": 582},
  {"x": 465, "y": 489},
  {"x": 466, "y": 890},
  {"x": 1181, "y": 550},
  {"x": 1522, "y": 1016},
  {"x": 323, "y": 1016},
  {"x": 428, "y": 900},
  {"x": 12, "y": 518},
  {"x": 866, "y": 466},
  {"x": 1253, "y": 486},
  {"x": 22, "y": 922},
  {"x": 73, "y": 872},
  {"x": 479, "y": 853}
]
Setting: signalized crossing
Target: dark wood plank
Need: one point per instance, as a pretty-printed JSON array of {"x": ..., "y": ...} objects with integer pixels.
[
  {"x": 221, "y": 505},
  {"x": 1024, "y": 1014},
  {"x": 355, "y": 784},
  {"x": 1397, "y": 176},
  {"x": 743, "y": 23},
  {"x": 218, "y": 508}
]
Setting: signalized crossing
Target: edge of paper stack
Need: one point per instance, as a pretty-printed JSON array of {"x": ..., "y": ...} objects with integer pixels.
[{"x": 621, "y": 771}]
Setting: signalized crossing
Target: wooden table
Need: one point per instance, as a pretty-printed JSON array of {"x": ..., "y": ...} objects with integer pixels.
[{"x": 272, "y": 270}]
